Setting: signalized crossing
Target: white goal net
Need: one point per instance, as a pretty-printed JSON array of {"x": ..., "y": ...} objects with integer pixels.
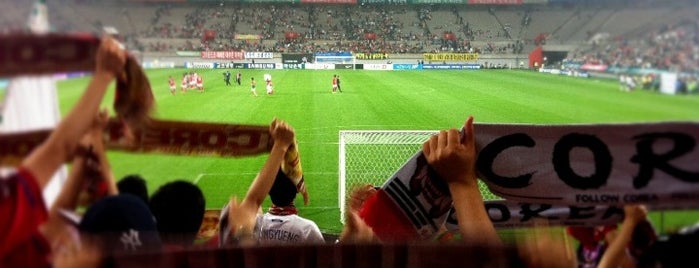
[{"x": 372, "y": 156}]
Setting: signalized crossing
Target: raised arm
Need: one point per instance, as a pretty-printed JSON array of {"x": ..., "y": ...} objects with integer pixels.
[
  {"x": 616, "y": 251},
  {"x": 283, "y": 136},
  {"x": 241, "y": 215},
  {"x": 453, "y": 159},
  {"x": 91, "y": 149},
  {"x": 45, "y": 159}
]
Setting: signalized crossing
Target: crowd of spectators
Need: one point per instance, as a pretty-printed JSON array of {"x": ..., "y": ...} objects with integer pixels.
[
  {"x": 319, "y": 28},
  {"x": 672, "y": 47}
]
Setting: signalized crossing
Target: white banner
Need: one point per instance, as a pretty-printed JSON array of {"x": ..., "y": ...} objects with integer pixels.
[
  {"x": 258, "y": 55},
  {"x": 320, "y": 66},
  {"x": 585, "y": 165},
  {"x": 199, "y": 65},
  {"x": 668, "y": 83},
  {"x": 158, "y": 64},
  {"x": 381, "y": 67}
]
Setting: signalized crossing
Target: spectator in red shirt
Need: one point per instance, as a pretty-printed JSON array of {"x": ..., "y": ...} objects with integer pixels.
[{"x": 24, "y": 243}]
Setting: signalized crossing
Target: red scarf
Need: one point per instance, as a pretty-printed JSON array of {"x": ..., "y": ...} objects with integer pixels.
[{"x": 283, "y": 211}]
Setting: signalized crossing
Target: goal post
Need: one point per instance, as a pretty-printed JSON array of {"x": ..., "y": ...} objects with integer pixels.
[{"x": 373, "y": 156}]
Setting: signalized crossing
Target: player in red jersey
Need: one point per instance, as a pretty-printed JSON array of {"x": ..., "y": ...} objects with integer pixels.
[
  {"x": 192, "y": 80},
  {"x": 173, "y": 87},
  {"x": 200, "y": 83}
]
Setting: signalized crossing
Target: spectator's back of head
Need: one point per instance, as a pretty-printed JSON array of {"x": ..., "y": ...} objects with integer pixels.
[
  {"x": 178, "y": 208},
  {"x": 283, "y": 191},
  {"x": 122, "y": 223},
  {"x": 673, "y": 250},
  {"x": 134, "y": 184}
]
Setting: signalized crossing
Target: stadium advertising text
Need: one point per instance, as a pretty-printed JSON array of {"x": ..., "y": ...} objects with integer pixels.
[
  {"x": 381, "y": 67},
  {"x": 334, "y": 57},
  {"x": 294, "y": 66},
  {"x": 297, "y": 58},
  {"x": 188, "y": 53},
  {"x": 258, "y": 55},
  {"x": 227, "y": 55},
  {"x": 496, "y": 2},
  {"x": 158, "y": 64},
  {"x": 610, "y": 164},
  {"x": 259, "y": 65},
  {"x": 329, "y": 1},
  {"x": 270, "y": 1},
  {"x": 371, "y": 56},
  {"x": 407, "y": 66},
  {"x": 247, "y": 37},
  {"x": 438, "y": 1},
  {"x": 199, "y": 65},
  {"x": 320, "y": 66},
  {"x": 229, "y": 65},
  {"x": 450, "y": 56},
  {"x": 383, "y": 1},
  {"x": 344, "y": 66},
  {"x": 450, "y": 66}
]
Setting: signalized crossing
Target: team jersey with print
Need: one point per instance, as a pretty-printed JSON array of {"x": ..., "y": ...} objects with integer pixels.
[
  {"x": 23, "y": 210},
  {"x": 288, "y": 229}
]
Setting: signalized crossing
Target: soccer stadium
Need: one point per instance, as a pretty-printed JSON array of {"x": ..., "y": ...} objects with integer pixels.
[{"x": 364, "y": 83}]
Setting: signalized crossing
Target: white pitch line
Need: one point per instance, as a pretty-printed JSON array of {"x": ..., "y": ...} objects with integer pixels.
[{"x": 196, "y": 180}]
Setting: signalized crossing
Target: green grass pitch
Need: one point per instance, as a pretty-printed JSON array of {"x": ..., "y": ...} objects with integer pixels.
[{"x": 373, "y": 100}]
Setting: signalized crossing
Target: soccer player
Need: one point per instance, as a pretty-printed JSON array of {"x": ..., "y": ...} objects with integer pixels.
[
  {"x": 270, "y": 88},
  {"x": 185, "y": 82},
  {"x": 268, "y": 80},
  {"x": 173, "y": 87},
  {"x": 334, "y": 83},
  {"x": 252, "y": 86},
  {"x": 338, "y": 84},
  {"x": 192, "y": 80},
  {"x": 227, "y": 78},
  {"x": 200, "y": 83},
  {"x": 238, "y": 77}
]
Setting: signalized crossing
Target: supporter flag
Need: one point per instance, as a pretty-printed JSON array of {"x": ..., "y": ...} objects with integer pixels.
[{"x": 31, "y": 102}]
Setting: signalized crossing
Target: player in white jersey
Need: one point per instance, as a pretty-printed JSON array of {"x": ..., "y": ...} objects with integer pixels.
[
  {"x": 185, "y": 82},
  {"x": 200, "y": 83},
  {"x": 269, "y": 87},
  {"x": 192, "y": 80}
]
